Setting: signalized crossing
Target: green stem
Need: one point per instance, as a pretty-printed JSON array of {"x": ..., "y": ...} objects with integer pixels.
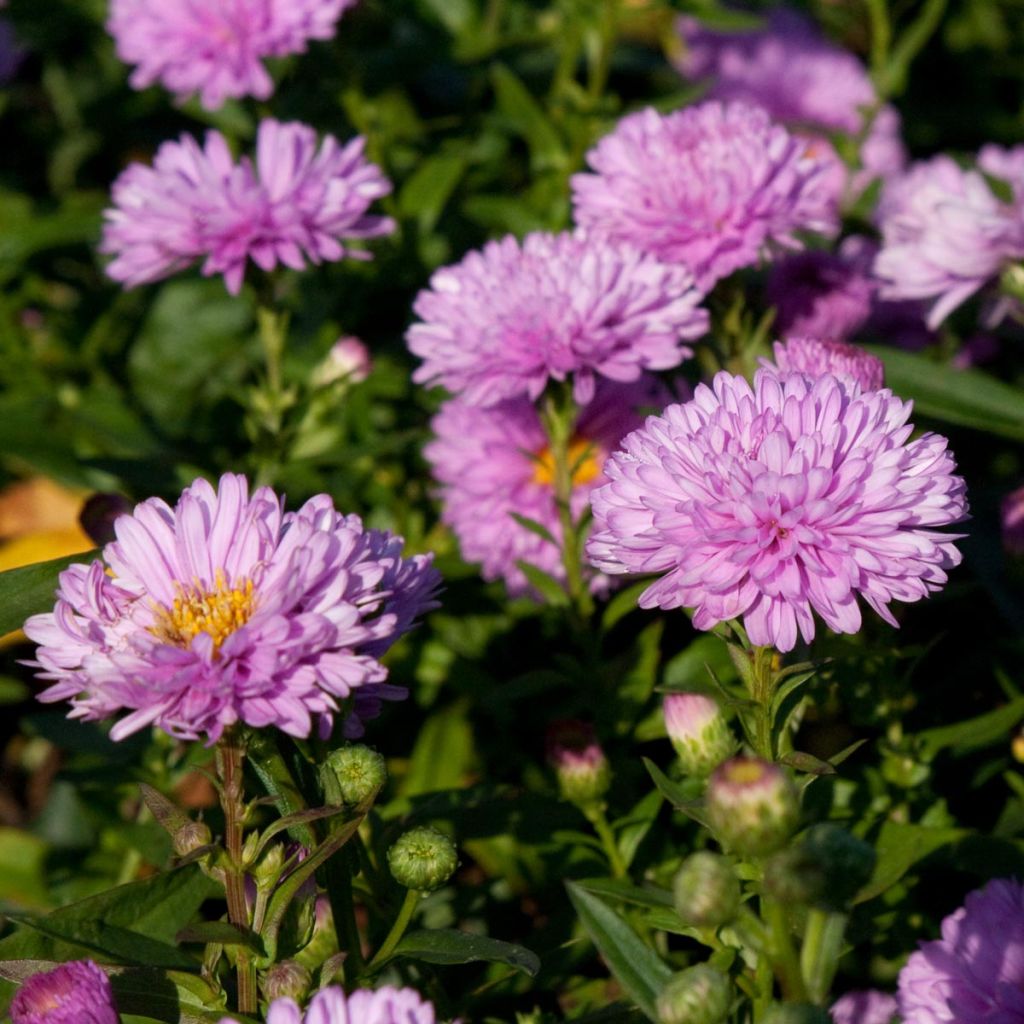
[
  {"x": 881, "y": 38},
  {"x": 782, "y": 953},
  {"x": 763, "y": 684},
  {"x": 340, "y": 872},
  {"x": 230, "y": 760},
  {"x": 596, "y": 816},
  {"x": 559, "y": 424},
  {"x": 412, "y": 898},
  {"x": 273, "y": 332},
  {"x": 819, "y": 956},
  {"x": 601, "y": 60}
]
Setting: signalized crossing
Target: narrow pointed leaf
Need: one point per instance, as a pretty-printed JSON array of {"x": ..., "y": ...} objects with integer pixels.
[{"x": 448, "y": 946}]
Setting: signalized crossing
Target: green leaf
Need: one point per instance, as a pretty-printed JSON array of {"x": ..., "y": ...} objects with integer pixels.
[
  {"x": 899, "y": 848},
  {"x": 969, "y": 398},
  {"x": 223, "y": 933},
  {"x": 448, "y": 946},
  {"x": 526, "y": 117},
  {"x": 804, "y": 762},
  {"x": 32, "y": 589},
  {"x": 545, "y": 584},
  {"x": 639, "y": 970},
  {"x": 962, "y": 737},
  {"x": 635, "y": 825},
  {"x": 22, "y": 868},
  {"x": 120, "y": 945},
  {"x": 534, "y": 527},
  {"x": 429, "y": 188},
  {"x": 626, "y": 892},
  {"x": 675, "y": 793},
  {"x": 624, "y": 602},
  {"x": 443, "y": 753}
]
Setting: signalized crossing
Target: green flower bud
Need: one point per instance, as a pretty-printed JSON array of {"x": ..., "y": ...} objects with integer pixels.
[
  {"x": 352, "y": 775},
  {"x": 698, "y": 995},
  {"x": 706, "y": 890},
  {"x": 579, "y": 762},
  {"x": 423, "y": 859},
  {"x": 796, "y": 1013},
  {"x": 191, "y": 837},
  {"x": 699, "y": 732},
  {"x": 752, "y": 806},
  {"x": 267, "y": 870},
  {"x": 825, "y": 869},
  {"x": 287, "y": 980}
]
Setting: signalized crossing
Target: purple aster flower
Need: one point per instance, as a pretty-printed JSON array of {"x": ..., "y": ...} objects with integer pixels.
[
  {"x": 975, "y": 972},
  {"x": 777, "y": 500},
  {"x": 74, "y": 993},
  {"x": 818, "y": 356},
  {"x": 513, "y": 316},
  {"x": 946, "y": 233},
  {"x": 821, "y": 294},
  {"x": 295, "y": 203},
  {"x": 713, "y": 187},
  {"x": 227, "y": 609},
  {"x": 866, "y": 1007},
  {"x": 216, "y": 47},
  {"x": 802, "y": 80},
  {"x": 494, "y": 462},
  {"x": 388, "y": 1005}
]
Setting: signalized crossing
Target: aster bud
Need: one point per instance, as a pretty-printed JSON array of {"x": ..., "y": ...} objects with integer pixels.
[
  {"x": 423, "y": 859},
  {"x": 352, "y": 775},
  {"x": 698, "y": 995},
  {"x": 191, "y": 837},
  {"x": 796, "y": 1013},
  {"x": 706, "y": 890},
  {"x": 752, "y": 805},
  {"x": 826, "y": 868},
  {"x": 579, "y": 762},
  {"x": 287, "y": 980},
  {"x": 187, "y": 835},
  {"x": 267, "y": 870},
  {"x": 348, "y": 360},
  {"x": 698, "y": 731}
]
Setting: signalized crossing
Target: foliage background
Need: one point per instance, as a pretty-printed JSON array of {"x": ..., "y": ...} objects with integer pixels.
[{"x": 478, "y": 110}]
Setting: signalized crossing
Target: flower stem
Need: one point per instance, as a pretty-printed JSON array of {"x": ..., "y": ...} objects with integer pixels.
[
  {"x": 405, "y": 912},
  {"x": 763, "y": 685},
  {"x": 823, "y": 940},
  {"x": 782, "y": 952},
  {"x": 230, "y": 760},
  {"x": 596, "y": 816}
]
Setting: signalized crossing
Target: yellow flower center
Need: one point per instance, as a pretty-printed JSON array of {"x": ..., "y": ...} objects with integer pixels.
[
  {"x": 583, "y": 463},
  {"x": 217, "y": 612}
]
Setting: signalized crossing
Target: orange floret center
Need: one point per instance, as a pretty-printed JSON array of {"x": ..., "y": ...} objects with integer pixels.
[
  {"x": 583, "y": 462},
  {"x": 218, "y": 612}
]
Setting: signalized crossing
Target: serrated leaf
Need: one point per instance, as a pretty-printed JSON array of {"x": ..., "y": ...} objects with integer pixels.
[
  {"x": 448, "y": 946},
  {"x": 31, "y": 589},
  {"x": 639, "y": 970}
]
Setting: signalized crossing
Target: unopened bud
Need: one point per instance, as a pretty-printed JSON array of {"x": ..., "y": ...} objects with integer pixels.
[
  {"x": 826, "y": 868},
  {"x": 348, "y": 360},
  {"x": 267, "y": 870},
  {"x": 698, "y": 995},
  {"x": 287, "y": 980},
  {"x": 423, "y": 859},
  {"x": 796, "y": 1013},
  {"x": 752, "y": 806},
  {"x": 706, "y": 890},
  {"x": 191, "y": 837},
  {"x": 99, "y": 514},
  {"x": 353, "y": 774},
  {"x": 579, "y": 762},
  {"x": 699, "y": 732}
]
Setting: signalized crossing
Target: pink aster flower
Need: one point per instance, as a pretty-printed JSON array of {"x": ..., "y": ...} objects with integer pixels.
[
  {"x": 216, "y": 47},
  {"x": 295, "y": 203},
  {"x": 495, "y": 462},
  {"x": 802, "y": 80},
  {"x": 777, "y": 500},
  {"x": 513, "y": 316},
  {"x": 388, "y": 1005},
  {"x": 714, "y": 187},
  {"x": 74, "y": 993},
  {"x": 818, "y": 356},
  {"x": 946, "y": 233},
  {"x": 975, "y": 972},
  {"x": 226, "y": 609},
  {"x": 865, "y": 1007}
]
